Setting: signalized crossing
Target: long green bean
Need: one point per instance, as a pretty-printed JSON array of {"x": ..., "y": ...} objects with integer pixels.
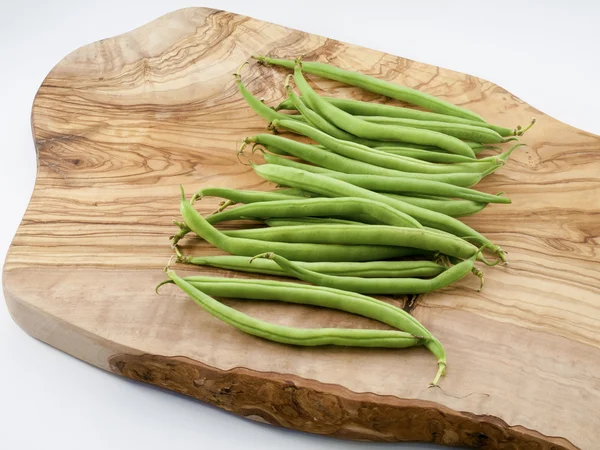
[
  {"x": 378, "y": 86},
  {"x": 296, "y": 336},
  {"x": 384, "y": 235},
  {"x": 323, "y": 297},
  {"x": 458, "y": 130},
  {"x": 362, "y": 285},
  {"x": 359, "y": 108},
  {"x": 343, "y": 207},
  {"x": 449, "y": 185}
]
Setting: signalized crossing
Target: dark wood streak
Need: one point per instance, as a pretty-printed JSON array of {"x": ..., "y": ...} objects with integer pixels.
[{"x": 311, "y": 406}]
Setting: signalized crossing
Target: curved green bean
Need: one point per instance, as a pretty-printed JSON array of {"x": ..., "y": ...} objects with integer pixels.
[
  {"x": 378, "y": 86},
  {"x": 296, "y": 336},
  {"x": 375, "y": 286},
  {"x": 425, "y": 155},
  {"x": 342, "y": 207},
  {"x": 301, "y": 252},
  {"x": 458, "y": 130},
  {"x": 322, "y": 297},
  {"x": 384, "y": 235},
  {"x": 450, "y": 185},
  {"x": 267, "y": 113},
  {"x": 452, "y": 208},
  {"x": 320, "y": 123}
]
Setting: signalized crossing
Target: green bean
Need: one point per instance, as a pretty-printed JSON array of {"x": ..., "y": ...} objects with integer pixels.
[
  {"x": 424, "y": 155},
  {"x": 375, "y": 286},
  {"x": 259, "y": 107},
  {"x": 296, "y": 336},
  {"x": 320, "y": 123},
  {"x": 368, "y": 130},
  {"x": 234, "y": 196},
  {"x": 380, "y": 158},
  {"x": 458, "y": 130},
  {"x": 337, "y": 163},
  {"x": 372, "y": 269},
  {"x": 450, "y": 185},
  {"x": 358, "y": 108},
  {"x": 378, "y": 86},
  {"x": 361, "y": 234},
  {"x": 331, "y": 187},
  {"x": 452, "y": 208},
  {"x": 438, "y": 157},
  {"x": 287, "y": 221},
  {"x": 247, "y": 196},
  {"x": 343, "y": 207},
  {"x": 322, "y": 297},
  {"x": 301, "y": 252},
  {"x": 276, "y": 159}
]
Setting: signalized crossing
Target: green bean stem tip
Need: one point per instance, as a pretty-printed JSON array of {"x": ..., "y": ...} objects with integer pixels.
[
  {"x": 267, "y": 255},
  {"x": 441, "y": 372},
  {"x": 238, "y": 74},
  {"x": 522, "y": 131}
]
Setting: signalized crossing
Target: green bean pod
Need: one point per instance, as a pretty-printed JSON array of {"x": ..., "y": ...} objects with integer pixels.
[
  {"x": 342, "y": 207},
  {"x": 377, "y": 86},
  {"x": 452, "y": 208},
  {"x": 379, "y": 158},
  {"x": 376, "y": 286},
  {"x": 423, "y": 155},
  {"x": 371, "y": 269},
  {"x": 295, "y": 221},
  {"x": 447, "y": 185},
  {"x": 331, "y": 187},
  {"x": 267, "y": 113},
  {"x": 323, "y": 297},
  {"x": 384, "y": 235},
  {"x": 340, "y": 164},
  {"x": 286, "y": 221},
  {"x": 296, "y": 336},
  {"x": 320, "y": 123},
  {"x": 458, "y": 130},
  {"x": 234, "y": 196},
  {"x": 359, "y": 108},
  {"x": 368, "y": 130},
  {"x": 246, "y": 196},
  {"x": 300, "y": 252}
]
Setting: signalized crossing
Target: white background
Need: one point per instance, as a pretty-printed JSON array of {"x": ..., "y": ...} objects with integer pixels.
[{"x": 544, "y": 52}]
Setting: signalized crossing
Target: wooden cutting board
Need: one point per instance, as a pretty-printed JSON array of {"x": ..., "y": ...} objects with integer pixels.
[{"x": 121, "y": 123}]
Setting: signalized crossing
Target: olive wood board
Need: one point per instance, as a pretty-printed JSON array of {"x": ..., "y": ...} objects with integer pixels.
[{"x": 121, "y": 123}]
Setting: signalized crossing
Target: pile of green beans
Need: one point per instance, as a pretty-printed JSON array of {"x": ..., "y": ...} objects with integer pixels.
[{"x": 368, "y": 202}]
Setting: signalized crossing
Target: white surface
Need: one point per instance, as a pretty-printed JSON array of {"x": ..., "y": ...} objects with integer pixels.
[{"x": 544, "y": 52}]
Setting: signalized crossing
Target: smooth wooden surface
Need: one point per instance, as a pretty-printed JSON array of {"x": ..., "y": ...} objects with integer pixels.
[{"x": 121, "y": 123}]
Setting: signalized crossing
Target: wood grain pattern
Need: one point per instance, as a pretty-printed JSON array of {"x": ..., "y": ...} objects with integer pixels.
[{"x": 121, "y": 123}]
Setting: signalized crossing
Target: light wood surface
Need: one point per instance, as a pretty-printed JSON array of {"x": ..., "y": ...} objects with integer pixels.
[{"x": 121, "y": 123}]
